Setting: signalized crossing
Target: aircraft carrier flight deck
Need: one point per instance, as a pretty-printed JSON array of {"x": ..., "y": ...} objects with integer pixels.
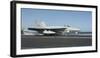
[{"x": 37, "y": 41}]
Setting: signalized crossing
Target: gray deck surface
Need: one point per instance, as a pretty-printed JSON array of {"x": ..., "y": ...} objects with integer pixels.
[{"x": 31, "y": 41}]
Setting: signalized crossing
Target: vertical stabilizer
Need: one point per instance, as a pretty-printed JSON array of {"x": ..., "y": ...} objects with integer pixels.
[{"x": 40, "y": 24}]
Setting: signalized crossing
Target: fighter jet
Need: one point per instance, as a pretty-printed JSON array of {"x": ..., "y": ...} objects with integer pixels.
[{"x": 42, "y": 28}]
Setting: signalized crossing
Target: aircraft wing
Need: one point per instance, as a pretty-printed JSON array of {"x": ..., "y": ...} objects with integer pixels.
[{"x": 51, "y": 29}]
